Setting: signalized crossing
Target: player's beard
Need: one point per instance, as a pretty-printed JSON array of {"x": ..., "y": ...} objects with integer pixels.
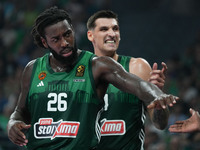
[{"x": 70, "y": 60}]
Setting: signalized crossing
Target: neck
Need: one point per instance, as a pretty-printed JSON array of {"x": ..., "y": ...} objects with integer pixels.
[
  {"x": 60, "y": 66},
  {"x": 113, "y": 55}
]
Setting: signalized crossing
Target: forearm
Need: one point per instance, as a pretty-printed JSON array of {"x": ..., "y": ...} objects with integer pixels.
[
  {"x": 159, "y": 117},
  {"x": 150, "y": 92},
  {"x": 145, "y": 91},
  {"x": 14, "y": 118},
  {"x": 19, "y": 115},
  {"x": 128, "y": 82}
]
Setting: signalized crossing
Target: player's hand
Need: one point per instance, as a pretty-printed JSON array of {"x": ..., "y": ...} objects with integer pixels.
[
  {"x": 163, "y": 101},
  {"x": 190, "y": 125},
  {"x": 158, "y": 76},
  {"x": 15, "y": 132}
]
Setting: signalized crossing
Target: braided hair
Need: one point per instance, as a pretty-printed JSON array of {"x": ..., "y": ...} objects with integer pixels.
[{"x": 48, "y": 17}]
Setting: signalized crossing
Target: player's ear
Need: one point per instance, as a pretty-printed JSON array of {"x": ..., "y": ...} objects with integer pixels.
[
  {"x": 44, "y": 42},
  {"x": 90, "y": 35}
]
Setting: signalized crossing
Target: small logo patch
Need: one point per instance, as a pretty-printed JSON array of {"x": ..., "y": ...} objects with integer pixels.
[
  {"x": 80, "y": 71},
  {"x": 42, "y": 75},
  {"x": 40, "y": 84},
  {"x": 79, "y": 80}
]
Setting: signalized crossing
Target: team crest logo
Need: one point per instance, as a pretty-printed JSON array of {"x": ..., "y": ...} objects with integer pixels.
[
  {"x": 80, "y": 71},
  {"x": 42, "y": 75}
]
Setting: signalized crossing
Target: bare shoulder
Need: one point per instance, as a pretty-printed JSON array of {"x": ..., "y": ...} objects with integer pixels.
[
  {"x": 139, "y": 61},
  {"x": 26, "y": 76},
  {"x": 140, "y": 67},
  {"x": 30, "y": 64},
  {"x": 25, "y": 86}
]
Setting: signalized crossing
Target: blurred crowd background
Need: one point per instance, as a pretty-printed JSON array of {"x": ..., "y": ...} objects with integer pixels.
[{"x": 157, "y": 30}]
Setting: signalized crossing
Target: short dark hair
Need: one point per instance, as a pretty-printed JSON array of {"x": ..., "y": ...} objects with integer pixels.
[
  {"x": 100, "y": 14},
  {"x": 48, "y": 17}
]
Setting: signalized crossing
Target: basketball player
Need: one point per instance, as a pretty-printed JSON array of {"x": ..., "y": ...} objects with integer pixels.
[
  {"x": 122, "y": 122},
  {"x": 61, "y": 96}
]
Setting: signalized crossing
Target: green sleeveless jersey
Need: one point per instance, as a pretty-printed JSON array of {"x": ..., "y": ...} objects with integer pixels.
[
  {"x": 122, "y": 122},
  {"x": 64, "y": 107}
]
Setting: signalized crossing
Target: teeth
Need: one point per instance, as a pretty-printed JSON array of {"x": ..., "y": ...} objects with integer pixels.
[{"x": 109, "y": 41}]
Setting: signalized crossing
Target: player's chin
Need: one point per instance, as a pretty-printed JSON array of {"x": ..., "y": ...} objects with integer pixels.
[{"x": 111, "y": 49}]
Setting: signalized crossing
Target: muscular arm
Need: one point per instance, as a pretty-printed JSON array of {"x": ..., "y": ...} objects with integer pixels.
[
  {"x": 106, "y": 70},
  {"x": 20, "y": 117},
  {"x": 142, "y": 69}
]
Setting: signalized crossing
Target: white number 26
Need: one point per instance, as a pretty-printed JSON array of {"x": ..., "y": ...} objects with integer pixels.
[{"x": 58, "y": 102}]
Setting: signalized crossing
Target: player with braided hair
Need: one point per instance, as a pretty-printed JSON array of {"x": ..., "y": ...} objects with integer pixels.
[{"x": 62, "y": 92}]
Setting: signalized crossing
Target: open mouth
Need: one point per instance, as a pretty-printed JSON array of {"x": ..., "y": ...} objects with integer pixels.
[{"x": 110, "y": 41}]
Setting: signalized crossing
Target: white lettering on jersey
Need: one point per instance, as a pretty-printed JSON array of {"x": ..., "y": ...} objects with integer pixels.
[
  {"x": 113, "y": 127},
  {"x": 46, "y": 128}
]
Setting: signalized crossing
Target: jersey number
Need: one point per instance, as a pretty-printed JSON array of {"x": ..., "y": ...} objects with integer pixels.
[{"x": 58, "y": 102}]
